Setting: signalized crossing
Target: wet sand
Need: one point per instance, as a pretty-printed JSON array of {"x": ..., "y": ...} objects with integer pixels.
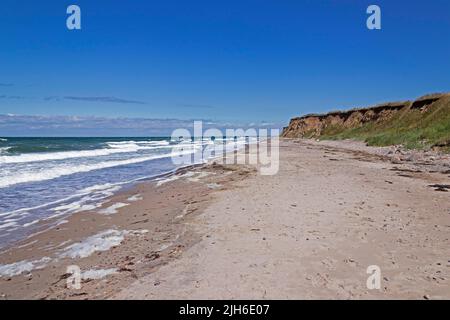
[
  {"x": 130, "y": 236},
  {"x": 308, "y": 232}
]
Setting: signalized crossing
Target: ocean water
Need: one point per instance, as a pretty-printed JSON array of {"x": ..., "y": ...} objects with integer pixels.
[{"x": 46, "y": 178}]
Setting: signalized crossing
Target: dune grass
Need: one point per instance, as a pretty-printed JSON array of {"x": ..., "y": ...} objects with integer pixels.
[{"x": 413, "y": 128}]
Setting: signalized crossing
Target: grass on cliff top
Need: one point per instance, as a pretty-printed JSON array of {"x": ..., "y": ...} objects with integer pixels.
[{"x": 410, "y": 127}]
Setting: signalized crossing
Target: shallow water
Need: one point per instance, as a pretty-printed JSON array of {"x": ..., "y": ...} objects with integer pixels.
[{"x": 46, "y": 178}]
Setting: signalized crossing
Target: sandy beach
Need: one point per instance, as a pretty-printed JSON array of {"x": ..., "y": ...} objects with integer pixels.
[{"x": 226, "y": 232}]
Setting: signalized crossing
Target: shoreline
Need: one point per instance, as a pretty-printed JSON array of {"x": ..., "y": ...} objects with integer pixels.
[
  {"x": 147, "y": 225},
  {"x": 226, "y": 232},
  {"x": 50, "y": 221}
]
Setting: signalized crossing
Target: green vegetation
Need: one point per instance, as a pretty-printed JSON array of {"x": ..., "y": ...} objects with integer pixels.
[{"x": 413, "y": 128}]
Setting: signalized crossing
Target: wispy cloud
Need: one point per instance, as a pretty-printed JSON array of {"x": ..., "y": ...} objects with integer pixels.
[
  {"x": 52, "y": 98},
  {"x": 9, "y": 97},
  {"x": 104, "y": 99},
  {"x": 77, "y": 98},
  {"x": 25, "y": 125}
]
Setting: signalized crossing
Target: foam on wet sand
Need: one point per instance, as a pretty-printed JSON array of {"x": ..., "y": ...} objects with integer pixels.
[
  {"x": 102, "y": 241},
  {"x": 17, "y": 268},
  {"x": 113, "y": 209},
  {"x": 96, "y": 274}
]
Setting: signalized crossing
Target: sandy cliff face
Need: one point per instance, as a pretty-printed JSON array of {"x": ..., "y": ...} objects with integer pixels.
[{"x": 314, "y": 125}]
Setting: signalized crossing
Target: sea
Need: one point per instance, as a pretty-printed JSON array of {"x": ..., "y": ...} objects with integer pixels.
[{"x": 43, "y": 180}]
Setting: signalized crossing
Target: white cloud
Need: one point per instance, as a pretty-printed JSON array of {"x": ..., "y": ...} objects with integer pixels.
[{"x": 26, "y": 125}]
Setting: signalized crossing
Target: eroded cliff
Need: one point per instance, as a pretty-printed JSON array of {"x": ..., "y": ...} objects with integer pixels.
[{"x": 423, "y": 121}]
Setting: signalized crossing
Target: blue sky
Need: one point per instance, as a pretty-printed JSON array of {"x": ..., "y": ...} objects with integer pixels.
[{"x": 222, "y": 60}]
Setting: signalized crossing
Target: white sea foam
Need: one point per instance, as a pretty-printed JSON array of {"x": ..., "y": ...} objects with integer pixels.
[
  {"x": 27, "y": 244},
  {"x": 174, "y": 177},
  {"x": 136, "y": 197},
  {"x": 92, "y": 199},
  {"x": 102, "y": 241},
  {"x": 105, "y": 190},
  {"x": 143, "y": 142},
  {"x": 76, "y": 207},
  {"x": 63, "y": 170},
  {"x": 161, "y": 142},
  {"x": 62, "y": 222},
  {"x": 37, "y": 157},
  {"x": 31, "y": 223},
  {"x": 16, "y": 268},
  {"x": 3, "y": 139},
  {"x": 146, "y": 145},
  {"x": 99, "y": 187},
  {"x": 113, "y": 209},
  {"x": 95, "y": 274},
  {"x": 8, "y": 224},
  {"x": 113, "y": 147}
]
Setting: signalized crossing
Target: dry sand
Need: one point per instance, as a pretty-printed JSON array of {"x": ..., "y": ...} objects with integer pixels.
[{"x": 308, "y": 232}]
